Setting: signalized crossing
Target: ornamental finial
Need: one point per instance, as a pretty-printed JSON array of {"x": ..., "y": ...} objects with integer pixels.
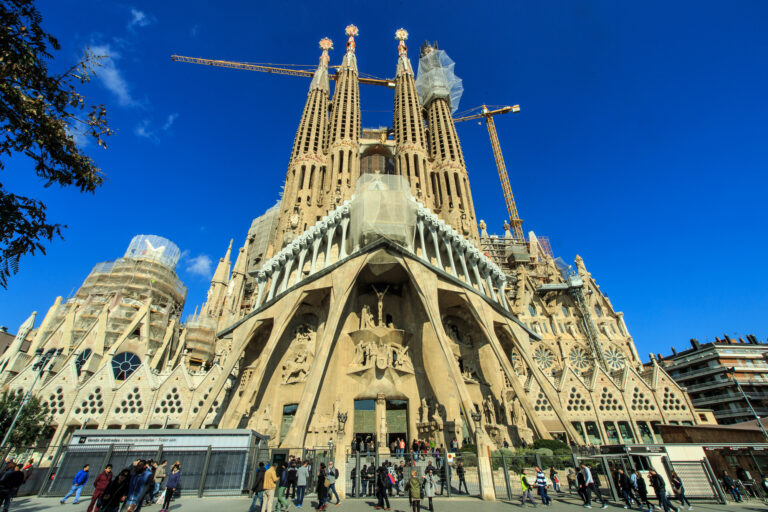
[
  {"x": 351, "y": 31},
  {"x": 401, "y": 35},
  {"x": 325, "y": 45}
]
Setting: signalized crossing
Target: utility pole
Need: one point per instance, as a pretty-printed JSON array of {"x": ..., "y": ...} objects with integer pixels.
[
  {"x": 732, "y": 372},
  {"x": 40, "y": 367}
]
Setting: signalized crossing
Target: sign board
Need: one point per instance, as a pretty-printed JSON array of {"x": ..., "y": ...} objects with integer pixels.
[
  {"x": 449, "y": 457},
  {"x": 635, "y": 450},
  {"x": 168, "y": 441}
]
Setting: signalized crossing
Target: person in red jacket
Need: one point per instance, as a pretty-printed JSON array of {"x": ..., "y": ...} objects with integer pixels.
[{"x": 99, "y": 486}]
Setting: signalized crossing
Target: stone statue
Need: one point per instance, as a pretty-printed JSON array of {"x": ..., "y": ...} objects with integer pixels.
[
  {"x": 518, "y": 414},
  {"x": 366, "y": 318},
  {"x": 490, "y": 414},
  {"x": 383, "y": 430},
  {"x": 296, "y": 369},
  {"x": 504, "y": 412},
  {"x": 380, "y": 296},
  {"x": 424, "y": 411}
]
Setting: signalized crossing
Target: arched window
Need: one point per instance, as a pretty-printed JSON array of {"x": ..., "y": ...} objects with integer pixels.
[
  {"x": 532, "y": 309},
  {"x": 598, "y": 311},
  {"x": 564, "y": 310},
  {"x": 124, "y": 364},
  {"x": 81, "y": 359}
]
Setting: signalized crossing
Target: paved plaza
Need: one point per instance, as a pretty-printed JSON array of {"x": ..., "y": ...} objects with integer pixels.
[{"x": 241, "y": 504}]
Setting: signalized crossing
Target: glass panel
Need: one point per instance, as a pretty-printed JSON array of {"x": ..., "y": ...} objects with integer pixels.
[
  {"x": 579, "y": 430},
  {"x": 645, "y": 431},
  {"x": 593, "y": 433},
  {"x": 611, "y": 432},
  {"x": 289, "y": 412},
  {"x": 626, "y": 432}
]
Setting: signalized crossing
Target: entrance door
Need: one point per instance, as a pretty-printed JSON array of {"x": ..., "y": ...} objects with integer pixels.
[
  {"x": 397, "y": 421},
  {"x": 364, "y": 423}
]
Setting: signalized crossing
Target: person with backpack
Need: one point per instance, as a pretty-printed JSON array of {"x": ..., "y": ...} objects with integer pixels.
[
  {"x": 414, "y": 492},
  {"x": 554, "y": 479},
  {"x": 257, "y": 489},
  {"x": 332, "y": 475},
  {"x": 77, "y": 484},
  {"x": 661, "y": 490},
  {"x": 541, "y": 484},
  {"x": 730, "y": 486},
  {"x": 625, "y": 485},
  {"x": 526, "y": 488},
  {"x": 677, "y": 486},
  {"x": 382, "y": 482}
]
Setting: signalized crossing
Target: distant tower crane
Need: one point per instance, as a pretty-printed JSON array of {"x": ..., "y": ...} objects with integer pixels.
[{"x": 514, "y": 218}]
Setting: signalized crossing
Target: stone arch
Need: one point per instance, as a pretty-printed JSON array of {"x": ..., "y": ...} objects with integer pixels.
[{"x": 377, "y": 157}]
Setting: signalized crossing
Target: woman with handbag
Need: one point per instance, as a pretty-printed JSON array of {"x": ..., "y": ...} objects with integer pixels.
[{"x": 322, "y": 488}]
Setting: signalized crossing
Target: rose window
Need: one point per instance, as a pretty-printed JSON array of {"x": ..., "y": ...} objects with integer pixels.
[
  {"x": 543, "y": 358},
  {"x": 124, "y": 364},
  {"x": 579, "y": 358},
  {"x": 615, "y": 359}
]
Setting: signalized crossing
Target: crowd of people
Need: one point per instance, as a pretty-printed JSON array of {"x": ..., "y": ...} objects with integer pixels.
[{"x": 144, "y": 483}]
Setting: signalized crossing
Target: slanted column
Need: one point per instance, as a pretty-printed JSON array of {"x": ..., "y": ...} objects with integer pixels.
[
  {"x": 473, "y": 260},
  {"x": 433, "y": 231},
  {"x": 319, "y": 230},
  {"x": 460, "y": 250},
  {"x": 449, "y": 249},
  {"x": 261, "y": 282},
  {"x": 273, "y": 272},
  {"x": 487, "y": 272},
  {"x": 501, "y": 282},
  {"x": 420, "y": 227},
  {"x": 344, "y": 228},
  {"x": 303, "y": 248},
  {"x": 290, "y": 255},
  {"x": 329, "y": 242}
]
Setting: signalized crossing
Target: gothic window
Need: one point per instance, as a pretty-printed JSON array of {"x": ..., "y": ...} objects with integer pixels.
[
  {"x": 532, "y": 309},
  {"x": 564, "y": 310},
  {"x": 579, "y": 358},
  {"x": 124, "y": 364},
  {"x": 598, "y": 311},
  {"x": 543, "y": 358},
  {"x": 615, "y": 358},
  {"x": 81, "y": 359}
]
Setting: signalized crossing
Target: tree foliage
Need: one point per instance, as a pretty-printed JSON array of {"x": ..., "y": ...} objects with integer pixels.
[
  {"x": 40, "y": 112},
  {"x": 555, "y": 445},
  {"x": 31, "y": 423}
]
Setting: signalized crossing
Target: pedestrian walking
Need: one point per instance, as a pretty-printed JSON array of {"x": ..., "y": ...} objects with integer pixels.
[
  {"x": 322, "y": 488},
  {"x": 100, "y": 485},
  {"x": 137, "y": 488},
  {"x": 371, "y": 480},
  {"x": 258, "y": 489},
  {"x": 160, "y": 475},
  {"x": 642, "y": 491},
  {"x": 302, "y": 477},
  {"x": 541, "y": 484},
  {"x": 116, "y": 492},
  {"x": 414, "y": 492},
  {"x": 174, "y": 480},
  {"x": 270, "y": 482},
  {"x": 581, "y": 486},
  {"x": 445, "y": 475},
  {"x": 430, "y": 487},
  {"x": 77, "y": 484},
  {"x": 590, "y": 486},
  {"x": 282, "y": 487},
  {"x": 554, "y": 479},
  {"x": 625, "y": 485},
  {"x": 661, "y": 492},
  {"x": 730, "y": 486},
  {"x": 10, "y": 481},
  {"x": 382, "y": 482},
  {"x": 460, "y": 473},
  {"x": 525, "y": 486},
  {"x": 679, "y": 488},
  {"x": 332, "y": 475},
  {"x": 291, "y": 491},
  {"x": 571, "y": 478},
  {"x": 146, "y": 498}
]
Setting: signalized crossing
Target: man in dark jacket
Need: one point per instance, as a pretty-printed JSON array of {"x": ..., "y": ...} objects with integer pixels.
[
  {"x": 382, "y": 482},
  {"x": 10, "y": 482},
  {"x": 462, "y": 480},
  {"x": 730, "y": 486},
  {"x": 99, "y": 486},
  {"x": 371, "y": 479},
  {"x": 258, "y": 488},
  {"x": 290, "y": 492},
  {"x": 661, "y": 490},
  {"x": 626, "y": 487}
]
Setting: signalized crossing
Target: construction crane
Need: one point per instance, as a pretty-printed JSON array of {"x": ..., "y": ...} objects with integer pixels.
[
  {"x": 514, "y": 218},
  {"x": 277, "y": 70}
]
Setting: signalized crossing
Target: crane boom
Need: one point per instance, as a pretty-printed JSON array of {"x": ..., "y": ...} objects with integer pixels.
[
  {"x": 509, "y": 199},
  {"x": 273, "y": 69}
]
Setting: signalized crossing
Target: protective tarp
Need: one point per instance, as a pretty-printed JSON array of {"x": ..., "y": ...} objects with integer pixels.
[
  {"x": 436, "y": 78},
  {"x": 382, "y": 207},
  {"x": 153, "y": 247}
]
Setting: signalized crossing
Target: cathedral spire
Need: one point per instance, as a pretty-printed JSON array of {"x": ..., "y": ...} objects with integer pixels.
[
  {"x": 320, "y": 80},
  {"x": 408, "y": 126},
  {"x": 344, "y": 135},
  {"x": 222, "y": 269}
]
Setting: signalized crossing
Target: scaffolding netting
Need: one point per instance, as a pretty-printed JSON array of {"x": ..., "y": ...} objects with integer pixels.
[
  {"x": 383, "y": 207},
  {"x": 436, "y": 78},
  {"x": 155, "y": 248}
]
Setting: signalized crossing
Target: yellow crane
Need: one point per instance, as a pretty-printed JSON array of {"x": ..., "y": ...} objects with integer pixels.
[
  {"x": 277, "y": 70},
  {"x": 487, "y": 113}
]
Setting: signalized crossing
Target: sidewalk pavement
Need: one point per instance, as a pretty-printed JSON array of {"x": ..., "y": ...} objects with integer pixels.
[{"x": 456, "y": 504}]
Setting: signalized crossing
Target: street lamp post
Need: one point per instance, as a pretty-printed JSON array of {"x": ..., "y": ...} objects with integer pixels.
[
  {"x": 40, "y": 367},
  {"x": 732, "y": 372}
]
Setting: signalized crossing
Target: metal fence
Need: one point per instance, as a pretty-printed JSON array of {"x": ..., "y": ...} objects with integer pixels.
[{"x": 209, "y": 471}]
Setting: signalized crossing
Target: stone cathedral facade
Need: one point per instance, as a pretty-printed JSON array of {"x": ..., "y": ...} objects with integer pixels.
[{"x": 367, "y": 303}]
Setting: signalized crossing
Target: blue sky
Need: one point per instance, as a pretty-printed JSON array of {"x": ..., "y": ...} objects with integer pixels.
[{"x": 641, "y": 144}]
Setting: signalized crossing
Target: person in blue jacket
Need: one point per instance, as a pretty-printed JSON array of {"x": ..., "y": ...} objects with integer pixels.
[
  {"x": 77, "y": 484},
  {"x": 137, "y": 488}
]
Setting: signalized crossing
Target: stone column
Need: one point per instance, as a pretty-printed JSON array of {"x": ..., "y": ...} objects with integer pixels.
[{"x": 381, "y": 425}]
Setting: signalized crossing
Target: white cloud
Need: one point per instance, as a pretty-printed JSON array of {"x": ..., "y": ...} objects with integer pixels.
[
  {"x": 143, "y": 130},
  {"x": 170, "y": 120},
  {"x": 139, "y": 19},
  {"x": 110, "y": 76},
  {"x": 200, "y": 265}
]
